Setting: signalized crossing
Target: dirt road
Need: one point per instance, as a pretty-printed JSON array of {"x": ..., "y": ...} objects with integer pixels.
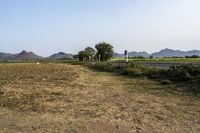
[{"x": 64, "y": 98}]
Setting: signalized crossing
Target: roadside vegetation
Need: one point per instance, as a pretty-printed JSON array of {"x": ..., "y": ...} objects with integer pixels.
[
  {"x": 161, "y": 60},
  {"x": 189, "y": 74}
]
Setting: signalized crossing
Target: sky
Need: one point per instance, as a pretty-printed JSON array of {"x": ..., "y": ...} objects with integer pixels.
[{"x": 50, "y": 26}]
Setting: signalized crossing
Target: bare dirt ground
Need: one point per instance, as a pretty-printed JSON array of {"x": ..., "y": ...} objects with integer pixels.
[{"x": 64, "y": 98}]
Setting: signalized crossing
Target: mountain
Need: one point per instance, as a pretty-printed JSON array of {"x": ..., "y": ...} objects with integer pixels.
[
  {"x": 193, "y": 52},
  {"x": 5, "y": 55},
  {"x": 60, "y": 55},
  {"x": 26, "y": 55},
  {"x": 168, "y": 53},
  {"x": 175, "y": 53},
  {"x": 116, "y": 55},
  {"x": 137, "y": 54},
  {"x": 21, "y": 56},
  {"x": 162, "y": 53},
  {"x": 132, "y": 54}
]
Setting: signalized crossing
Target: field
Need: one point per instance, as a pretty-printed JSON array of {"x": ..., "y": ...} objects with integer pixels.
[{"x": 72, "y": 98}]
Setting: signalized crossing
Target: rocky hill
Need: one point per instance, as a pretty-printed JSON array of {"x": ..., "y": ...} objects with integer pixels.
[
  {"x": 61, "y": 55},
  {"x": 162, "y": 53},
  {"x": 175, "y": 53},
  {"x": 20, "y": 56}
]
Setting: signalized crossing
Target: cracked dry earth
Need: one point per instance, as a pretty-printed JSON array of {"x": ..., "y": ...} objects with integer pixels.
[{"x": 73, "y": 99}]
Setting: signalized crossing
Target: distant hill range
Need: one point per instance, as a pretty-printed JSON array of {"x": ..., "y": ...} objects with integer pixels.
[
  {"x": 132, "y": 54},
  {"x": 24, "y": 55},
  {"x": 175, "y": 53},
  {"x": 162, "y": 53},
  {"x": 20, "y": 56},
  {"x": 60, "y": 55}
]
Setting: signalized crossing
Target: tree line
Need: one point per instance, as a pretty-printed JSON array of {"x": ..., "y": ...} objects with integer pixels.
[{"x": 103, "y": 52}]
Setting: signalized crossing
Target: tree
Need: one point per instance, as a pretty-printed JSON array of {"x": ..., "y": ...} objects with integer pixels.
[
  {"x": 82, "y": 55},
  {"x": 90, "y": 52},
  {"x": 151, "y": 57},
  {"x": 76, "y": 56},
  {"x": 104, "y": 51},
  {"x": 193, "y": 56}
]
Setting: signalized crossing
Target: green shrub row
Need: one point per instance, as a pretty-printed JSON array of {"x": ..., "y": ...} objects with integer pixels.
[{"x": 184, "y": 73}]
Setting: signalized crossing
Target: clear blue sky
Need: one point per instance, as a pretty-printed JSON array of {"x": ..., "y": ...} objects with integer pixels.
[{"x": 49, "y": 26}]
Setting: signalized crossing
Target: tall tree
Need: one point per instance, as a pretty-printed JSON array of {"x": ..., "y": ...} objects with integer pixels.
[
  {"x": 90, "y": 52},
  {"x": 104, "y": 51},
  {"x": 82, "y": 55}
]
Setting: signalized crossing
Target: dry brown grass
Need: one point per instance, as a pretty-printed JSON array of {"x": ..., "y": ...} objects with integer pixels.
[{"x": 65, "y": 98}]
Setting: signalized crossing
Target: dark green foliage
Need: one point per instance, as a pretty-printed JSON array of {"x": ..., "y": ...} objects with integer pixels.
[
  {"x": 134, "y": 72},
  {"x": 151, "y": 57},
  {"x": 154, "y": 73},
  {"x": 104, "y": 50},
  {"x": 193, "y": 56},
  {"x": 76, "y": 57},
  {"x": 137, "y": 57},
  {"x": 89, "y": 53},
  {"x": 82, "y": 55},
  {"x": 184, "y": 73},
  {"x": 107, "y": 67}
]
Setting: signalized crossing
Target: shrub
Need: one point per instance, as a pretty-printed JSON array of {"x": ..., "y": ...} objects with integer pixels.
[
  {"x": 108, "y": 67},
  {"x": 184, "y": 73},
  {"x": 154, "y": 73},
  {"x": 135, "y": 72}
]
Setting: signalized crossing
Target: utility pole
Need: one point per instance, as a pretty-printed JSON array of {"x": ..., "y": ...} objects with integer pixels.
[{"x": 126, "y": 55}]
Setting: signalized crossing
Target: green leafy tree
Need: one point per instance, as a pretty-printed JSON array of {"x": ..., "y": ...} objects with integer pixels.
[
  {"x": 90, "y": 52},
  {"x": 82, "y": 55},
  {"x": 76, "y": 56},
  {"x": 104, "y": 51}
]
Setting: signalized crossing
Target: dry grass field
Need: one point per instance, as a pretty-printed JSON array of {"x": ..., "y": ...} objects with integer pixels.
[{"x": 65, "y": 98}]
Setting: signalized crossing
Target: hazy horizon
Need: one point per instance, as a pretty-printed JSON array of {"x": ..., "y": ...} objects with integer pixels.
[{"x": 48, "y": 26}]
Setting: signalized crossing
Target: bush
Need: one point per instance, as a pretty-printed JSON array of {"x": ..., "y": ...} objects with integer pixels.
[
  {"x": 193, "y": 56},
  {"x": 184, "y": 73},
  {"x": 154, "y": 73},
  {"x": 134, "y": 72},
  {"x": 108, "y": 67}
]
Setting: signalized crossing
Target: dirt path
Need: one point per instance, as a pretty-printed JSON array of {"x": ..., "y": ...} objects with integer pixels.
[{"x": 65, "y": 98}]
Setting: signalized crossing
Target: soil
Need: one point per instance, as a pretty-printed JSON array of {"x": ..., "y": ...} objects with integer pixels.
[{"x": 64, "y": 98}]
